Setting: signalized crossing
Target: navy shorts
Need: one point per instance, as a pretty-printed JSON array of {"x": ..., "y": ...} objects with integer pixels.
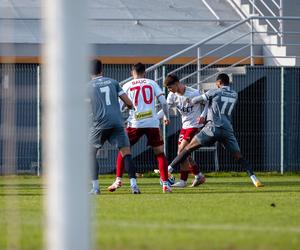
[
  {"x": 115, "y": 136},
  {"x": 211, "y": 134}
]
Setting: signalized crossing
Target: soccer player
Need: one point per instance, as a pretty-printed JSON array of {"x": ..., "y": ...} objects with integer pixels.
[
  {"x": 181, "y": 96},
  {"x": 143, "y": 120},
  {"x": 107, "y": 123},
  {"x": 221, "y": 102}
]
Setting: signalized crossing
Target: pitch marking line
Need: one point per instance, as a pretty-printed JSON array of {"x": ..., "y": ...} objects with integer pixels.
[{"x": 227, "y": 227}]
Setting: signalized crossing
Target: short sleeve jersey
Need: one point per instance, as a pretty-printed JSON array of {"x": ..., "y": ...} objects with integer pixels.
[
  {"x": 221, "y": 103},
  {"x": 142, "y": 93},
  {"x": 189, "y": 112},
  {"x": 104, "y": 94}
]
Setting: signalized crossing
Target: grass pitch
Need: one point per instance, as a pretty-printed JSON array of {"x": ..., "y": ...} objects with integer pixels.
[{"x": 224, "y": 213}]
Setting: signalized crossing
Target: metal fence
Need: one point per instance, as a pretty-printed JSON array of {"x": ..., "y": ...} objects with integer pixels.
[{"x": 266, "y": 121}]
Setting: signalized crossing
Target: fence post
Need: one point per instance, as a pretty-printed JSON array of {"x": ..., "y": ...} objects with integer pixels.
[
  {"x": 282, "y": 120},
  {"x": 251, "y": 43},
  {"x": 198, "y": 67},
  {"x": 165, "y": 131},
  {"x": 38, "y": 166}
]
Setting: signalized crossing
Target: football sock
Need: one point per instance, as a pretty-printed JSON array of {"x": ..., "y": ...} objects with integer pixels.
[
  {"x": 165, "y": 183},
  {"x": 245, "y": 165},
  {"x": 95, "y": 165},
  {"x": 184, "y": 175},
  {"x": 194, "y": 169},
  {"x": 170, "y": 169},
  {"x": 182, "y": 156},
  {"x": 119, "y": 179},
  {"x": 129, "y": 166},
  {"x": 95, "y": 184},
  {"x": 120, "y": 165},
  {"x": 132, "y": 182},
  {"x": 162, "y": 166}
]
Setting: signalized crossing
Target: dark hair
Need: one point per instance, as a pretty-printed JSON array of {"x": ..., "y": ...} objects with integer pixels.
[
  {"x": 170, "y": 80},
  {"x": 139, "y": 68},
  {"x": 224, "y": 78},
  {"x": 96, "y": 67}
]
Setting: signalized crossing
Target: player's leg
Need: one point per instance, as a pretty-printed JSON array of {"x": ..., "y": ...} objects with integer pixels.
[
  {"x": 205, "y": 137},
  {"x": 133, "y": 136},
  {"x": 185, "y": 153},
  {"x": 184, "y": 166},
  {"x": 130, "y": 168},
  {"x": 95, "y": 171},
  {"x": 97, "y": 139},
  {"x": 120, "y": 139},
  {"x": 199, "y": 177},
  {"x": 156, "y": 142},
  {"x": 231, "y": 144}
]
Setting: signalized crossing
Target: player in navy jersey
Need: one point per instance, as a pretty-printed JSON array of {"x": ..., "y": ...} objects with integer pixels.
[
  {"x": 221, "y": 102},
  {"x": 107, "y": 122}
]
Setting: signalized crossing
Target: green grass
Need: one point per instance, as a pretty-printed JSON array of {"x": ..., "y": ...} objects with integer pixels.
[{"x": 225, "y": 213}]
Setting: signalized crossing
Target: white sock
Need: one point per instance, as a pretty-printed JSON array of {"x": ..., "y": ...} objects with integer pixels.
[
  {"x": 170, "y": 169},
  {"x": 182, "y": 181},
  {"x": 95, "y": 184},
  {"x": 119, "y": 179},
  {"x": 198, "y": 176},
  {"x": 132, "y": 182},
  {"x": 253, "y": 178}
]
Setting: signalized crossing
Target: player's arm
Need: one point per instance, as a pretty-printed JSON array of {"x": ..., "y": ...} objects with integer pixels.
[
  {"x": 165, "y": 107},
  {"x": 202, "y": 117},
  {"x": 170, "y": 104},
  {"x": 204, "y": 97},
  {"x": 125, "y": 99},
  {"x": 162, "y": 100}
]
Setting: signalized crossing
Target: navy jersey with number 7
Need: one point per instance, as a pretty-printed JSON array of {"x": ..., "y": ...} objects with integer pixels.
[{"x": 104, "y": 94}]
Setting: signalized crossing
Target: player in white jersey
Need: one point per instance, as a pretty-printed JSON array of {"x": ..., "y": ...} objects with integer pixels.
[
  {"x": 143, "y": 120},
  {"x": 180, "y": 96}
]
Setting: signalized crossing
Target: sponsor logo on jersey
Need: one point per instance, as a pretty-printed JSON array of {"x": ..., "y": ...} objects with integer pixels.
[
  {"x": 187, "y": 109},
  {"x": 143, "y": 115}
]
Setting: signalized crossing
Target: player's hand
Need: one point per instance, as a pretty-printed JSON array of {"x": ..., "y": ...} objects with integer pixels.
[
  {"x": 201, "y": 120},
  {"x": 167, "y": 122}
]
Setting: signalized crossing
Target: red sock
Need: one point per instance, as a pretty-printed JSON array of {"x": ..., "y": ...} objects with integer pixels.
[
  {"x": 120, "y": 166},
  {"x": 162, "y": 166},
  {"x": 194, "y": 169},
  {"x": 184, "y": 175}
]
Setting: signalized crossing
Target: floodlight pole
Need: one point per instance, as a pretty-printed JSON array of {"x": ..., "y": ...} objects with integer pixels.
[{"x": 65, "y": 126}]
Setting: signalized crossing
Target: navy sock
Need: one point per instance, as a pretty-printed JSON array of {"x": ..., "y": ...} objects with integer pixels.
[
  {"x": 245, "y": 165},
  {"x": 181, "y": 157},
  {"x": 95, "y": 165},
  {"x": 129, "y": 166}
]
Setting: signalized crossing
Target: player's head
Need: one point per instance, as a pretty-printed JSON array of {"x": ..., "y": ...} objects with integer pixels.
[
  {"x": 172, "y": 83},
  {"x": 138, "y": 70},
  {"x": 222, "y": 80},
  {"x": 96, "y": 67}
]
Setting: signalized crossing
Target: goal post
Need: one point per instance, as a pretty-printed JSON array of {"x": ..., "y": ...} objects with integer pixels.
[{"x": 65, "y": 125}]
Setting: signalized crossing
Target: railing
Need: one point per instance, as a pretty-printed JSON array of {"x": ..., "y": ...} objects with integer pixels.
[
  {"x": 245, "y": 52},
  {"x": 272, "y": 8},
  {"x": 211, "y": 10}
]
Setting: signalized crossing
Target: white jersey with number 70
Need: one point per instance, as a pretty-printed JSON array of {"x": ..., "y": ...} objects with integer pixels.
[{"x": 142, "y": 93}]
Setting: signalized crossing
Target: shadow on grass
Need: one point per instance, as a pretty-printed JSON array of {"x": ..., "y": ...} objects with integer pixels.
[
  {"x": 21, "y": 186},
  {"x": 20, "y": 194}
]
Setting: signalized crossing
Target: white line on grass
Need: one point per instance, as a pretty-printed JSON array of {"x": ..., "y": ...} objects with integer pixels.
[{"x": 225, "y": 227}]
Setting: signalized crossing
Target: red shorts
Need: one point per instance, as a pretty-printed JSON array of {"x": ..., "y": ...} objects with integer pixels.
[
  {"x": 153, "y": 136},
  {"x": 187, "y": 134}
]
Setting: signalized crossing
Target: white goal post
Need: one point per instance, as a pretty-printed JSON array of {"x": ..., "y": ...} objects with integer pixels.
[{"x": 65, "y": 125}]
